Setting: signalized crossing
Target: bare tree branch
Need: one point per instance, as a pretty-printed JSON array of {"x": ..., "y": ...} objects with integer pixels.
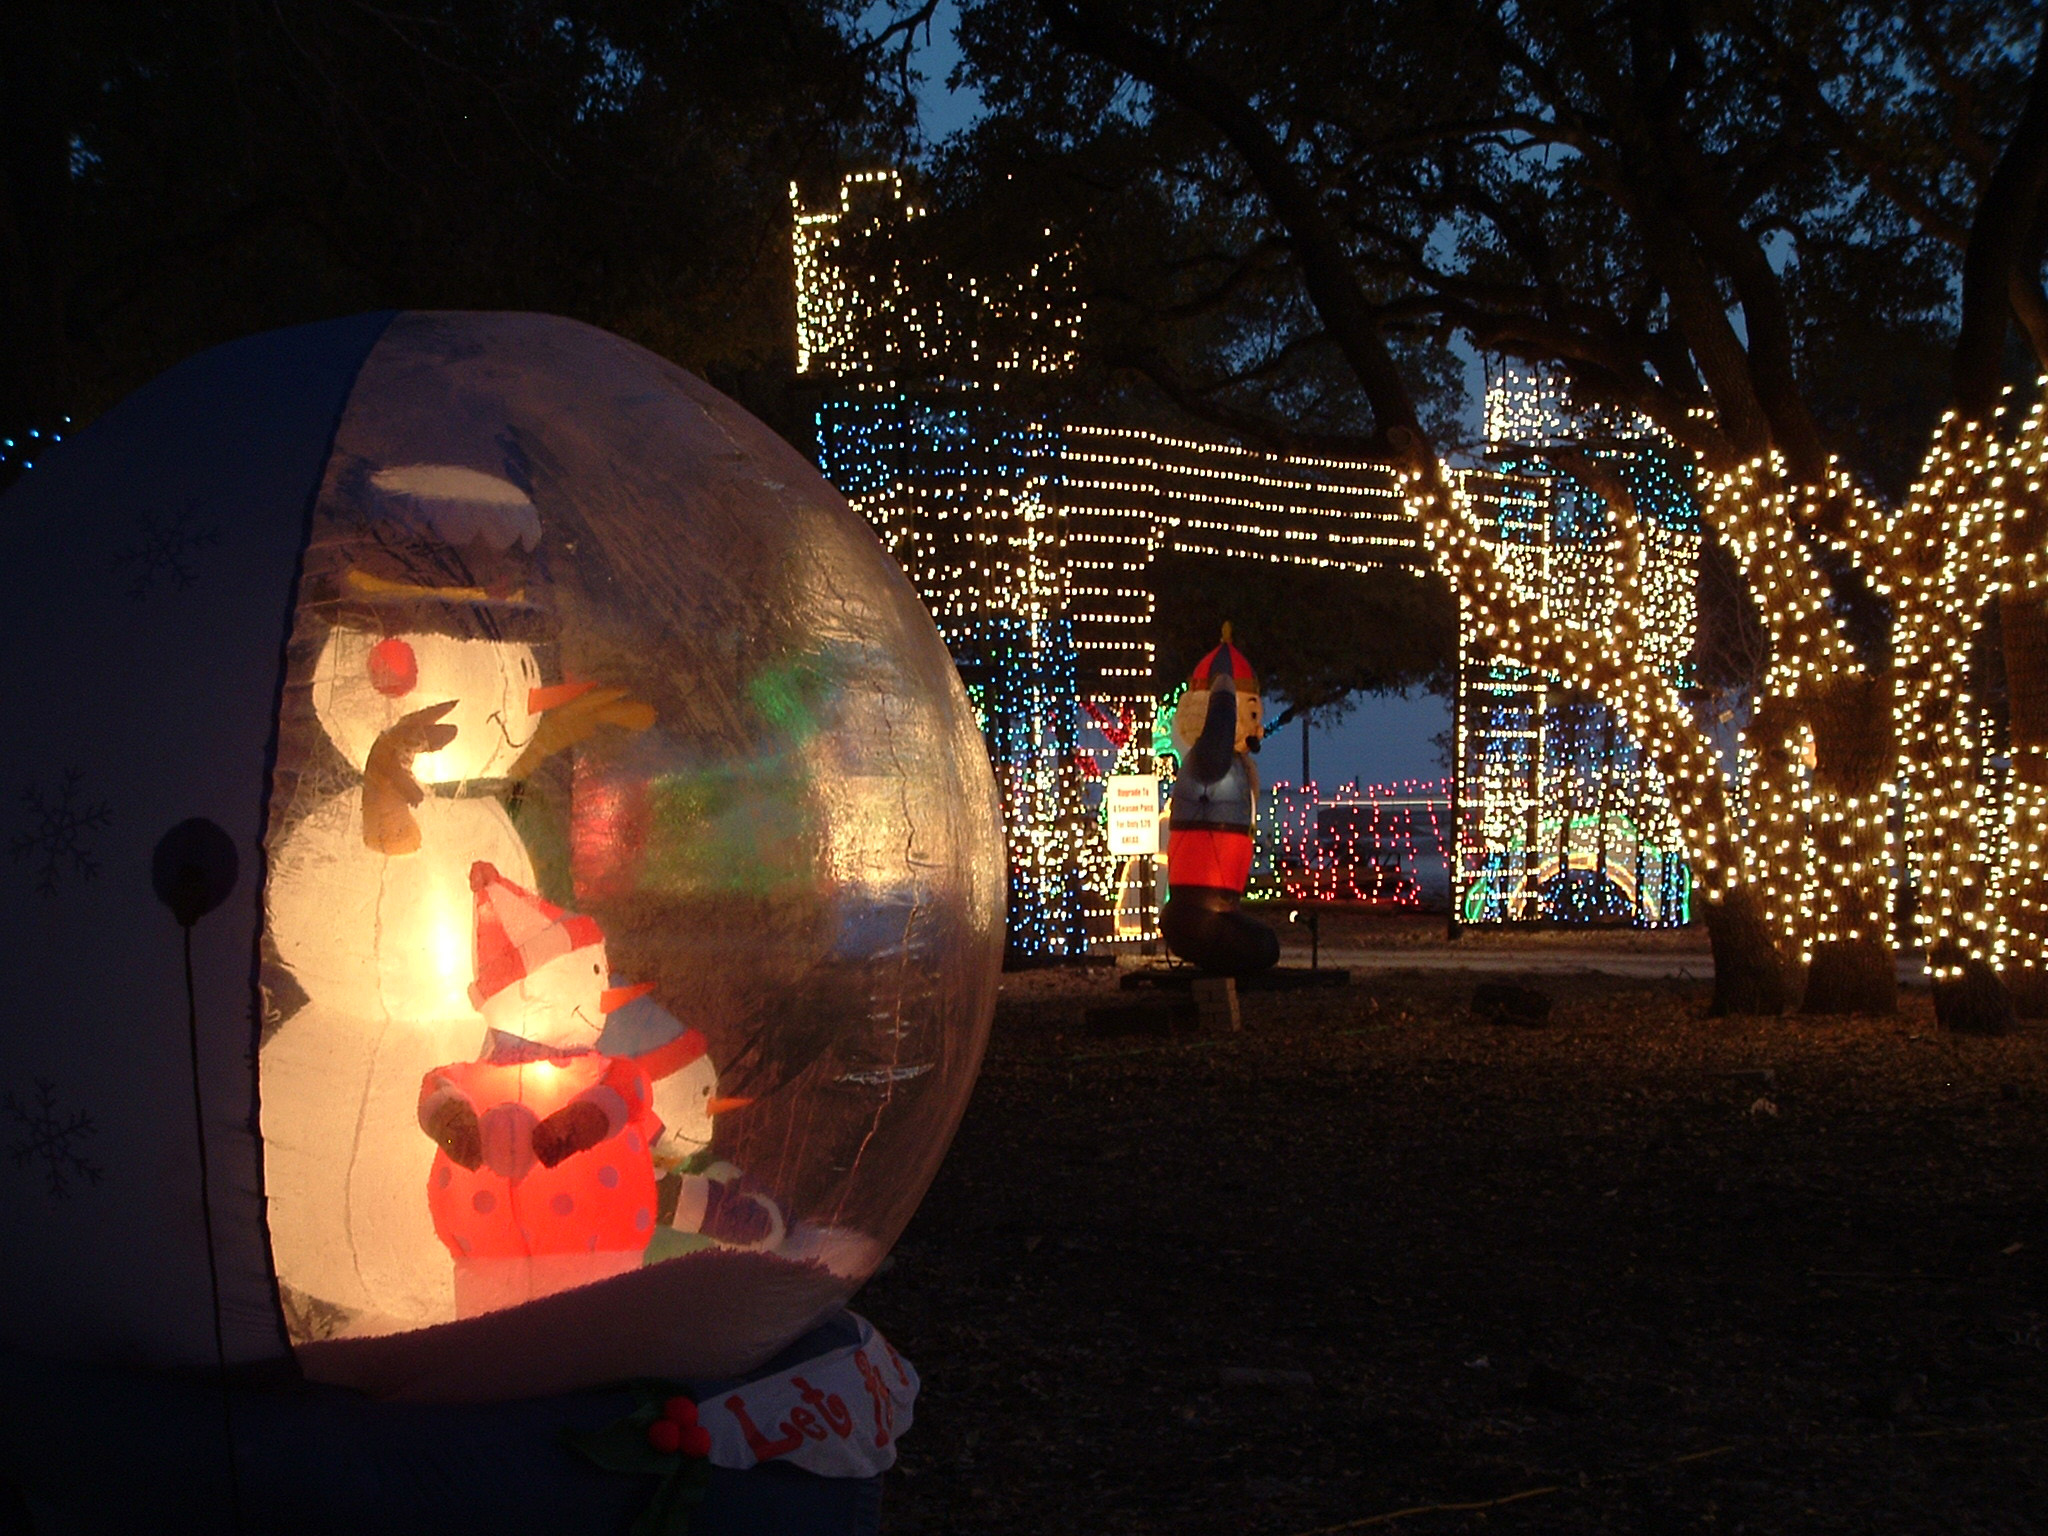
[
  {"x": 1318, "y": 245},
  {"x": 1998, "y": 241},
  {"x": 1260, "y": 431}
]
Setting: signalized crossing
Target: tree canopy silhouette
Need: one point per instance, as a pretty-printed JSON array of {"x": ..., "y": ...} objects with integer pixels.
[{"x": 175, "y": 176}]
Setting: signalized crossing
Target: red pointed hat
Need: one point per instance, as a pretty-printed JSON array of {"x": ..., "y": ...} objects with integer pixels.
[
  {"x": 517, "y": 933},
  {"x": 1226, "y": 658}
]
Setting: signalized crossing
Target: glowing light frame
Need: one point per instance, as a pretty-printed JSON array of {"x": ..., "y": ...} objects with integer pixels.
[{"x": 1033, "y": 544}]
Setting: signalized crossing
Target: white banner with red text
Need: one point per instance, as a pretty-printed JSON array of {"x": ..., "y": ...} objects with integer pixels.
[{"x": 838, "y": 1414}]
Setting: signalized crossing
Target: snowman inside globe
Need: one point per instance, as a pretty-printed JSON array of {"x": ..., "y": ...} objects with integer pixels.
[
  {"x": 505, "y": 641},
  {"x": 429, "y": 693}
]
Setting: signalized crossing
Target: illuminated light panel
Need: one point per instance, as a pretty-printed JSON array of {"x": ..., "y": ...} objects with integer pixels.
[
  {"x": 1365, "y": 844},
  {"x": 1034, "y": 545},
  {"x": 1575, "y": 632}
]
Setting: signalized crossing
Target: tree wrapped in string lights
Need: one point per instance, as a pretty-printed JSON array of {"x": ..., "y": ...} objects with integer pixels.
[
  {"x": 1966, "y": 561},
  {"x": 1613, "y": 663},
  {"x": 1817, "y": 751},
  {"x": 1835, "y": 747},
  {"x": 1793, "y": 856},
  {"x": 2019, "y": 476},
  {"x": 1838, "y": 749},
  {"x": 1941, "y": 559}
]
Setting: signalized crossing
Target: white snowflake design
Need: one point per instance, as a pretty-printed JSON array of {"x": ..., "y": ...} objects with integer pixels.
[
  {"x": 51, "y": 1136},
  {"x": 58, "y": 834},
  {"x": 163, "y": 549}
]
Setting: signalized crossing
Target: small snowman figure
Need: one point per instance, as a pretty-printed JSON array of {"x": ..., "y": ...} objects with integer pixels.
[
  {"x": 703, "y": 1200},
  {"x": 544, "y": 1178}
]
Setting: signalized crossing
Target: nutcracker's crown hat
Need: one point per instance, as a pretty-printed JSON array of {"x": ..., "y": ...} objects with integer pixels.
[
  {"x": 517, "y": 932},
  {"x": 1229, "y": 660}
]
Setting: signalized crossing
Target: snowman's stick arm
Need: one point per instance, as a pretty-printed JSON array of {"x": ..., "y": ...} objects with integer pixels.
[{"x": 389, "y": 789}]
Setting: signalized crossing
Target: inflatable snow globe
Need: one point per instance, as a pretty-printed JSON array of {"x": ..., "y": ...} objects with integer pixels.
[{"x": 609, "y": 887}]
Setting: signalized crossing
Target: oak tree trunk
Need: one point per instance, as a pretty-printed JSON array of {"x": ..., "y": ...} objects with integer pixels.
[
  {"x": 2023, "y": 622},
  {"x": 1975, "y": 1003},
  {"x": 1854, "y": 969},
  {"x": 1851, "y": 976},
  {"x": 1750, "y": 975}
]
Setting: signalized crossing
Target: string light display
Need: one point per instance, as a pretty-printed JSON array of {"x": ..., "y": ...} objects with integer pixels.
[
  {"x": 1835, "y": 754},
  {"x": 853, "y": 270},
  {"x": 1817, "y": 801},
  {"x": 1968, "y": 541},
  {"x": 1588, "y": 788},
  {"x": 1034, "y": 544},
  {"x": 18, "y": 453},
  {"x": 1942, "y": 563},
  {"x": 2017, "y": 848},
  {"x": 963, "y": 495},
  {"x": 1564, "y": 814},
  {"x": 963, "y": 490},
  {"x": 1382, "y": 844}
]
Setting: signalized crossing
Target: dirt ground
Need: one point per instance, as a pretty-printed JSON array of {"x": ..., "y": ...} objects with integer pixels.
[
  {"x": 1634, "y": 1271},
  {"x": 1354, "y": 925}
]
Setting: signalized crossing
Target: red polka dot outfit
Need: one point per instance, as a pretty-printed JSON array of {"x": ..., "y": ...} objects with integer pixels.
[{"x": 518, "y": 1230}]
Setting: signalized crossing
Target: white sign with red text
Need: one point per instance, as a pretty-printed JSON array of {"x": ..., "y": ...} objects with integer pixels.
[
  {"x": 838, "y": 1414},
  {"x": 1132, "y": 803}
]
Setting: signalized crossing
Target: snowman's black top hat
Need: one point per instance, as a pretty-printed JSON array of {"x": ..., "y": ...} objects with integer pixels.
[{"x": 430, "y": 548}]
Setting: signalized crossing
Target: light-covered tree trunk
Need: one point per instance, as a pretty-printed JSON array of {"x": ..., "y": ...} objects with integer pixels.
[
  {"x": 1613, "y": 665},
  {"x": 1941, "y": 555},
  {"x": 2023, "y": 623},
  {"x": 1820, "y": 742}
]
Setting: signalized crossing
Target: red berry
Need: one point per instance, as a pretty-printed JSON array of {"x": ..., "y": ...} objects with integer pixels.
[
  {"x": 665, "y": 1436},
  {"x": 680, "y": 1410},
  {"x": 394, "y": 670},
  {"x": 696, "y": 1440}
]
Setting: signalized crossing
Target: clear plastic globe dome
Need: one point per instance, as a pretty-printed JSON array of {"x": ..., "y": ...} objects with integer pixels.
[{"x": 634, "y": 897}]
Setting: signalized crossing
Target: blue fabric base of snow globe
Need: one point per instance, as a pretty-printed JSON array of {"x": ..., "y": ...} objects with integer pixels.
[{"x": 93, "y": 1449}]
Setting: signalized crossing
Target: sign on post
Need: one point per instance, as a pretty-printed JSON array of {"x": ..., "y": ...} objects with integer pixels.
[{"x": 1133, "y": 802}]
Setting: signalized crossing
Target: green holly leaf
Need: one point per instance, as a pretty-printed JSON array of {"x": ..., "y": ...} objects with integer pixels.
[
  {"x": 668, "y": 1512},
  {"x": 623, "y": 1447}
]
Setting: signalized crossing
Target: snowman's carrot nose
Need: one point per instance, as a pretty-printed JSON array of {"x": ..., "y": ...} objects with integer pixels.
[
  {"x": 721, "y": 1106},
  {"x": 612, "y": 999},
  {"x": 539, "y": 700}
]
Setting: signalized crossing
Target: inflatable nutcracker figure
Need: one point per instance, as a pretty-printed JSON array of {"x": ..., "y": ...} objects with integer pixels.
[{"x": 1209, "y": 820}]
